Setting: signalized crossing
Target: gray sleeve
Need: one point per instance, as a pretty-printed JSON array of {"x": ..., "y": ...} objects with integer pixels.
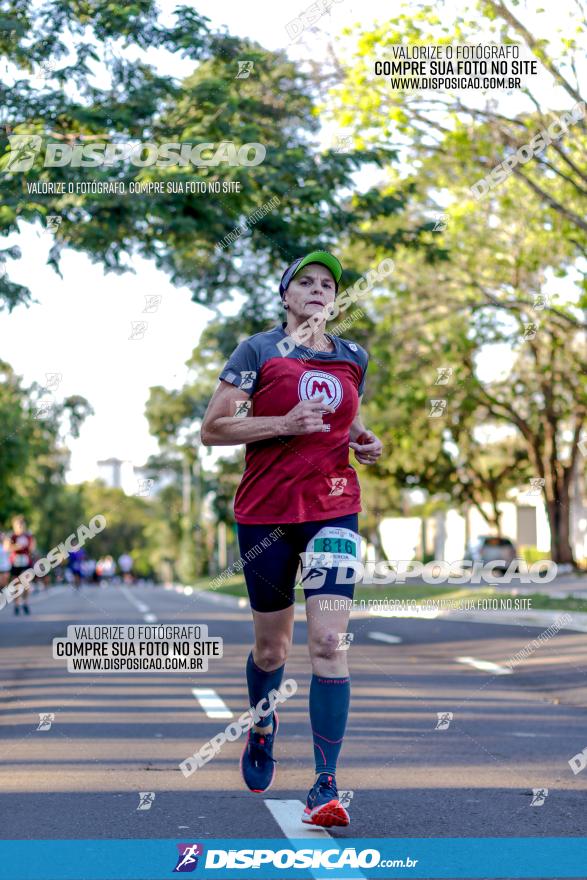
[
  {"x": 364, "y": 365},
  {"x": 242, "y": 367}
]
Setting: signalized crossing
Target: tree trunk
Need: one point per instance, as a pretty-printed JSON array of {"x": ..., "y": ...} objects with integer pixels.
[{"x": 558, "y": 519}]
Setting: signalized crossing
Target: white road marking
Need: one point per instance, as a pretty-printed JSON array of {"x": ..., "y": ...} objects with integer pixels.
[
  {"x": 384, "y": 637},
  {"x": 288, "y": 815},
  {"x": 485, "y": 665},
  {"x": 150, "y": 618},
  {"x": 140, "y": 606},
  {"x": 211, "y": 703}
]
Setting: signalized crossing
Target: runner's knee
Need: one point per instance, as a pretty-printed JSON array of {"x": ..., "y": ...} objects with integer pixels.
[
  {"x": 324, "y": 644},
  {"x": 271, "y": 653}
]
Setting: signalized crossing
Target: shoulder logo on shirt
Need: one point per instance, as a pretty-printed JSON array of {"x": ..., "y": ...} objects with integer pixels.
[{"x": 314, "y": 383}]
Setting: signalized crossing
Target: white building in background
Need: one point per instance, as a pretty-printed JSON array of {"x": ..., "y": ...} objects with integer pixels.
[
  {"x": 109, "y": 471},
  {"x": 446, "y": 534},
  {"x": 122, "y": 474}
]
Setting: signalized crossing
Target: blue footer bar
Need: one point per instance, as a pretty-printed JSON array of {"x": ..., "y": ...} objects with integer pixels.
[{"x": 270, "y": 859}]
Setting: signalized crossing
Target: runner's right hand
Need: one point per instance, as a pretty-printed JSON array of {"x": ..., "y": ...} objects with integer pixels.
[{"x": 306, "y": 417}]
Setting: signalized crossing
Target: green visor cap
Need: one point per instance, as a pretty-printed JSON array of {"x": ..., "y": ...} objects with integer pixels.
[
  {"x": 325, "y": 259},
  {"x": 322, "y": 257}
]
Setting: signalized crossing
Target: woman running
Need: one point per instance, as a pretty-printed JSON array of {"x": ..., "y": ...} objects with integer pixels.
[
  {"x": 296, "y": 407},
  {"x": 21, "y": 545}
]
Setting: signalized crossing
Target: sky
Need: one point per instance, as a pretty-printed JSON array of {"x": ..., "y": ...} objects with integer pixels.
[{"x": 81, "y": 325}]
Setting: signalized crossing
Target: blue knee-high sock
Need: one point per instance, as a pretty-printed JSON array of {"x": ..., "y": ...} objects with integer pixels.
[
  {"x": 261, "y": 683},
  {"x": 329, "y": 709}
]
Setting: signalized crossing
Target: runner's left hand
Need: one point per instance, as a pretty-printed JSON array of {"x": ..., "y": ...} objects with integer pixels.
[{"x": 367, "y": 448}]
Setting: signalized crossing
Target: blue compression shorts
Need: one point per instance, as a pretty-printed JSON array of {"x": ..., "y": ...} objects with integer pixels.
[{"x": 272, "y": 555}]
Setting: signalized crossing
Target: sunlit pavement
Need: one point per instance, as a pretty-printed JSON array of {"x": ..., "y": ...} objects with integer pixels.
[{"x": 115, "y": 735}]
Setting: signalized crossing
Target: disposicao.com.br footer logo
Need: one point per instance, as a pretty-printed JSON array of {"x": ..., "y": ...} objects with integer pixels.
[{"x": 284, "y": 858}]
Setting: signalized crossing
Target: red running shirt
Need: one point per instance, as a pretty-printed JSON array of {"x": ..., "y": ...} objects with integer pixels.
[
  {"x": 21, "y": 550},
  {"x": 305, "y": 477}
]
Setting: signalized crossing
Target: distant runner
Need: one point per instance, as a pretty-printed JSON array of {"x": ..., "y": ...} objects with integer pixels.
[
  {"x": 75, "y": 563},
  {"x": 21, "y": 547},
  {"x": 298, "y": 414},
  {"x": 106, "y": 569},
  {"x": 125, "y": 565}
]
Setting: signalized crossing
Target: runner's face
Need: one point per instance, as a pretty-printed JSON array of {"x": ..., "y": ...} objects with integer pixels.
[{"x": 310, "y": 291}]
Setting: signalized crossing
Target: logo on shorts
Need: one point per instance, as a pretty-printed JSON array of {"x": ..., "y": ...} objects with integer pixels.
[
  {"x": 314, "y": 383},
  {"x": 313, "y": 578}
]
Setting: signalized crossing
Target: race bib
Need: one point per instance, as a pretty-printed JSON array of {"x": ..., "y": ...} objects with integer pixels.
[
  {"x": 340, "y": 543},
  {"x": 331, "y": 547}
]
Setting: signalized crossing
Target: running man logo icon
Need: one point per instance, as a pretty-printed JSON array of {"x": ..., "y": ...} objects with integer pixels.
[
  {"x": 244, "y": 69},
  {"x": 187, "y": 859},
  {"x": 444, "y": 719},
  {"x": 440, "y": 222},
  {"x": 437, "y": 409},
  {"x": 337, "y": 485},
  {"x": 43, "y": 409},
  {"x": 541, "y": 301},
  {"x": 539, "y": 795},
  {"x": 138, "y": 329},
  {"x": 23, "y": 151},
  {"x": 247, "y": 379},
  {"x": 53, "y": 222},
  {"x": 343, "y": 143},
  {"x": 344, "y": 641},
  {"x": 345, "y": 797},
  {"x": 536, "y": 486},
  {"x": 146, "y": 800},
  {"x": 152, "y": 303},
  {"x": 144, "y": 488},
  {"x": 46, "y": 719},
  {"x": 530, "y": 330},
  {"x": 444, "y": 374},
  {"x": 241, "y": 408},
  {"x": 53, "y": 380}
]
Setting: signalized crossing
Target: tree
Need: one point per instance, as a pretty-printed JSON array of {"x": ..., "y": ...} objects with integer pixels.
[
  {"x": 33, "y": 456},
  {"x": 494, "y": 281},
  {"x": 183, "y": 232}
]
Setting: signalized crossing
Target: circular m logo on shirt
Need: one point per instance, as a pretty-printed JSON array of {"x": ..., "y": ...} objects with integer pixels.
[{"x": 314, "y": 383}]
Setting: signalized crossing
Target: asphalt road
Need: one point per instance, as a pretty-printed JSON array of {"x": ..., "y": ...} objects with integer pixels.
[{"x": 115, "y": 735}]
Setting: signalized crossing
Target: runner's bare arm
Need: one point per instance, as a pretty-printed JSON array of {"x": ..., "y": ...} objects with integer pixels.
[
  {"x": 222, "y": 427},
  {"x": 367, "y": 446},
  {"x": 357, "y": 426}
]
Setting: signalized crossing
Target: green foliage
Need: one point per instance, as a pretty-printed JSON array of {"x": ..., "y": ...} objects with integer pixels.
[
  {"x": 178, "y": 232},
  {"x": 33, "y": 457}
]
